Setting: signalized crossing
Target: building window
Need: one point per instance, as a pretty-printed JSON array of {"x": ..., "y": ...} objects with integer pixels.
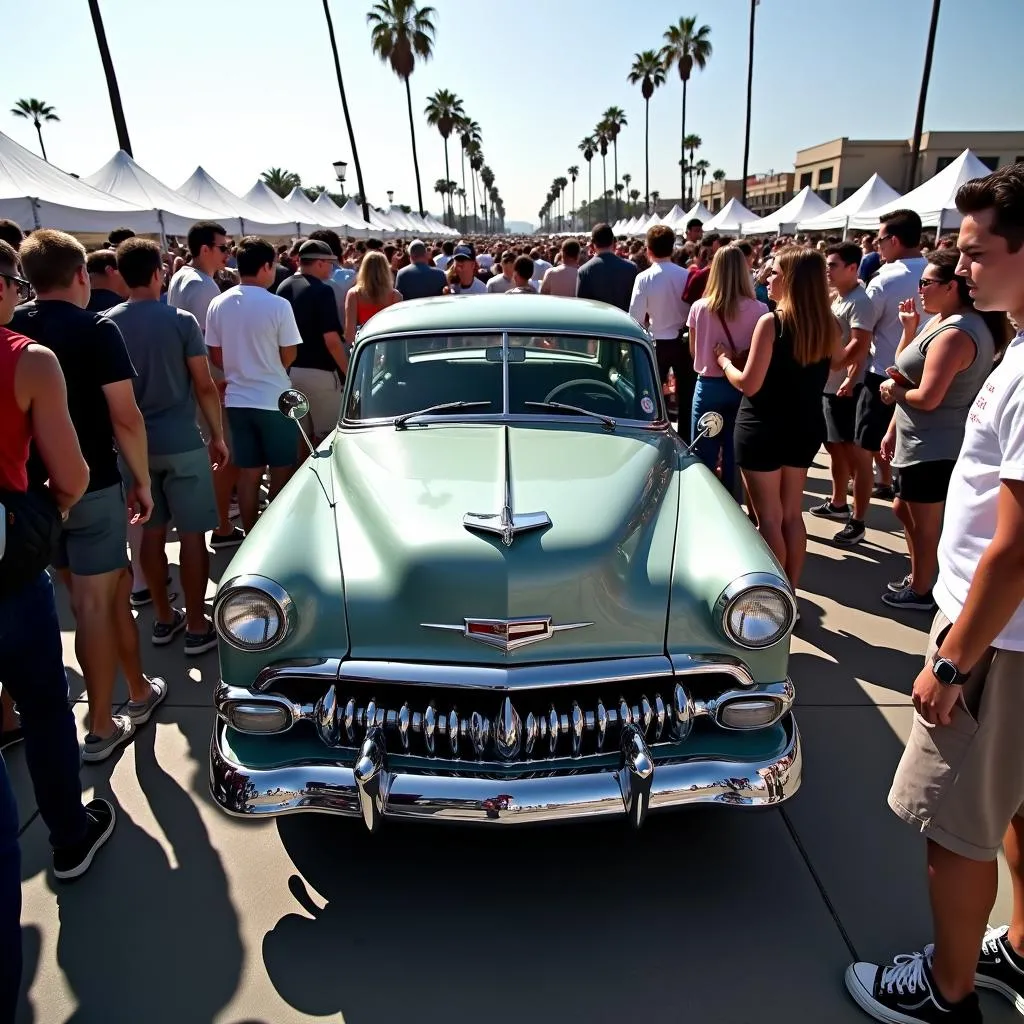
[
  {"x": 991, "y": 162},
  {"x": 826, "y": 194},
  {"x": 943, "y": 162},
  {"x": 716, "y": 205},
  {"x": 805, "y": 179},
  {"x": 825, "y": 176}
]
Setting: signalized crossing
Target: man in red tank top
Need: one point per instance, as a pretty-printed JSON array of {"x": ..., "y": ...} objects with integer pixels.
[{"x": 33, "y": 407}]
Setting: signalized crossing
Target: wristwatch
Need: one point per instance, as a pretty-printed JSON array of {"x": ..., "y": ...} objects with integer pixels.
[{"x": 946, "y": 671}]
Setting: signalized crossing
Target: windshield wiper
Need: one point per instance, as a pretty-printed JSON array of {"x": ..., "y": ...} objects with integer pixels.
[
  {"x": 608, "y": 422},
  {"x": 400, "y": 421}
]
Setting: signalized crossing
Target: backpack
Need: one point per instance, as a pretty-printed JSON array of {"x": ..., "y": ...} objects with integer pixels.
[{"x": 30, "y": 529}]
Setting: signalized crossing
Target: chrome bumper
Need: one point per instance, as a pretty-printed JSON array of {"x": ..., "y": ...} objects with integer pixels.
[{"x": 372, "y": 791}]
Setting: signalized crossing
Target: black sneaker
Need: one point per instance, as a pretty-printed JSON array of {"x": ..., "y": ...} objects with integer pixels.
[
  {"x": 1000, "y": 968},
  {"x": 165, "y": 632},
  {"x": 72, "y": 861},
  {"x": 910, "y": 599},
  {"x": 826, "y": 510},
  {"x": 897, "y": 585},
  {"x": 883, "y": 491},
  {"x": 904, "y": 992},
  {"x": 852, "y": 533},
  {"x": 140, "y": 598},
  {"x": 228, "y": 540},
  {"x": 200, "y": 643}
]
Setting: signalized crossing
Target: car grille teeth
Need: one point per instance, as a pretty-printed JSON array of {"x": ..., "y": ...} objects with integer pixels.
[{"x": 576, "y": 731}]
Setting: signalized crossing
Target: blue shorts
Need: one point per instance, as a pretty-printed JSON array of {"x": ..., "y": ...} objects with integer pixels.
[{"x": 261, "y": 437}]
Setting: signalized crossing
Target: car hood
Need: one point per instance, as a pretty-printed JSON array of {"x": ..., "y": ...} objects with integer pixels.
[{"x": 410, "y": 564}]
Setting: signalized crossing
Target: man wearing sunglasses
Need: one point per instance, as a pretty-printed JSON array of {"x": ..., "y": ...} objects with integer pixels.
[{"x": 192, "y": 289}]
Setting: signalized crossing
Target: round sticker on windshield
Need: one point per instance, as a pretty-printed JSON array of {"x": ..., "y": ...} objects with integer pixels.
[{"x": 647, "y": 405}]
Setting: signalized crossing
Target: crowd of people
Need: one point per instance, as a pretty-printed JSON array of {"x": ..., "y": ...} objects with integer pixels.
[{"x": 139, "y": 387}]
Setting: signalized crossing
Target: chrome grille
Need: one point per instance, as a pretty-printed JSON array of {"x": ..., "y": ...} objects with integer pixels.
[{"x": 525, "y": 725}]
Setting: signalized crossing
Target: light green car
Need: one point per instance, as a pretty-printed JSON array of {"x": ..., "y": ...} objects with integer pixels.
[{"x": 502, "y": 591}]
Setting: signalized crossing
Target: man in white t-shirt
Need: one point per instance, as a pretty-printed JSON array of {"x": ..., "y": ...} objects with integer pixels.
[
  {"x": 899, "y": 242},
  {"x": 657, "y": 303},
  {"x": 467, "y": 283},
  {"x": 961, "y": 779},
  {"x": 252, "y": 336},
  {"x": 193, "y": 289}
]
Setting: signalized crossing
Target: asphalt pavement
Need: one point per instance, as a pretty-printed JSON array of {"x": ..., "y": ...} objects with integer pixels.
[{"x": 710, "y": 916}]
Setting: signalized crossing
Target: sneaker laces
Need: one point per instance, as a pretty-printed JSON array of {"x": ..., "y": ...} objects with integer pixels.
[
  {"x": 990, "y": 944},
  {"x": 906, "y": 974}
]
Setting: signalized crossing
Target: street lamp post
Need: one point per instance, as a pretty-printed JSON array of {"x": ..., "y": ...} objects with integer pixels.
[
  {"x": 340, "y": 167},
  {"x": 391, "y": 197}
]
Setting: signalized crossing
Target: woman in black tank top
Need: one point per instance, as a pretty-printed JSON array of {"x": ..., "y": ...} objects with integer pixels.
[{"x": 780, "y": 424}]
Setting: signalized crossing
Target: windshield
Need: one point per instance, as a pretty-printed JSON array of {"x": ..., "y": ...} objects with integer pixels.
[{"x": 611, "y": 377}]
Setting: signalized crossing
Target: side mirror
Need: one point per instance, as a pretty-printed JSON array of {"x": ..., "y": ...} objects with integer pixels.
[
  {"x": 709, "y": 425},
  {"x": 295, "y": 405}
]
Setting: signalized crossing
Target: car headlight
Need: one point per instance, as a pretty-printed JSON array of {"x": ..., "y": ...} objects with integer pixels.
[
  {"x": 756, "y": 611},
  {"x": 253, "y": 613}
]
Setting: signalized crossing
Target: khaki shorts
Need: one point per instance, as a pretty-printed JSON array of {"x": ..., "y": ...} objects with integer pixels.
[
  {"x": 182, "y": 487},
  {"x": 962, "y": 783},
  {"x": 323, "y": 389}
]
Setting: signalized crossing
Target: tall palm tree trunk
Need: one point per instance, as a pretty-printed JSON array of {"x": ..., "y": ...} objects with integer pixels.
[
  {"x": 682, "y": 152},
  {"x": 465, "y": 214},
  {"x": 348, "y": 120},
  {"x": 447, "y": 178},
  {"x": 415, "y": 157},
  {"x": 922, "y": 98},
  {"x": 750, "y": 97},
  {"x": 604, "y": 182},
  {"x": 590, "y": 194},
  {"x": 647, "y": 156},
  {"x": 123, "y": 142},
  {"x": 615, "y": 159},
  {"x": 572, "y": 211},
  {"x": 39, "y": 132},
  {"x": 472, "y": 185}
]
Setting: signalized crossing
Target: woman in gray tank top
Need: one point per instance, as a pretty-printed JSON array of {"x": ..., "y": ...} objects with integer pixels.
[{"x": 937, "y": 376}]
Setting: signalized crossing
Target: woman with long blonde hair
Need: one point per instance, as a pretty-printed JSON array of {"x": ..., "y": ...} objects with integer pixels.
[
  {"x": 726, "y": 315},
  {"x": 780, "y": 424},
  {"x": 373, "y": 291}
]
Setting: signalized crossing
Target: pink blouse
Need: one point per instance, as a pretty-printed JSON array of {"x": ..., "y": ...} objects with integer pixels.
[{"x": 706, "y": 332}]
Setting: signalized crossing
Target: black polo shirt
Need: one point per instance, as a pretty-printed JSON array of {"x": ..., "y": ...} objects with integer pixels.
[{"x": 316, "y": 313}]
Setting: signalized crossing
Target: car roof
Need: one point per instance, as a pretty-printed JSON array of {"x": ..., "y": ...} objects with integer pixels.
[{"x": 530, "y": 314}]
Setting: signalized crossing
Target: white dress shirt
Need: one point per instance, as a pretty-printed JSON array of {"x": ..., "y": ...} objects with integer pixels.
[{"x": 658, "y": 296}]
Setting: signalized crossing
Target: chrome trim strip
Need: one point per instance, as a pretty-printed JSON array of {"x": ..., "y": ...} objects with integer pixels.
[
  {"x": 736, "y": 589},
  {"x": 698, "y": 664},
  {"x": 274, "y": 590},
  {"x": 333, "y": 787},
  {"x": 326, "y": 669}
]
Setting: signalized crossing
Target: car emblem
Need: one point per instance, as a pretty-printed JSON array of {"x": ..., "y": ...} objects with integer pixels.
[{"x": 507, "y": 634}]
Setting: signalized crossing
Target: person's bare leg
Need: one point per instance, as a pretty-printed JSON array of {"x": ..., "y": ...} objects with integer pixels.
[
  {"x": 859, "y": 462},
  {"x": 794, "y": 531},
  {"x": 840, "y": 471},
  {"x": 279, "y": 476},
  {"x": 962, "y": 894},
  {"x": 127, "y": 637},
  {"x": 1013, "y": 849},
  {"x": 884, "y": 470},
  {"x": 904, "y": 513},
  {"x": 927, "y": 518},
  {"x": 92, "y": 601},
  {"x": 135, "y": 532},
  {"x": 764, "y": 490},
  {"x": 225, "y": 480},
  {"x": 249, "y": 496},
  {"x": 195, "y": 572},
  {"x": 154, "y": 565}
]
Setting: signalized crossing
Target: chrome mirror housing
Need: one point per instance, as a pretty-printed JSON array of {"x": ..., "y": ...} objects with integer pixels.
[
  {"x": 294, "y": 404},
  {"x": 710, "y": 424}
]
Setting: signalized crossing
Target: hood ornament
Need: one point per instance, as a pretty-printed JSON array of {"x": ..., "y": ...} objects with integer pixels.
[
  {"x": 506, "y": 523},
  {"x": 507, "y": 634}
]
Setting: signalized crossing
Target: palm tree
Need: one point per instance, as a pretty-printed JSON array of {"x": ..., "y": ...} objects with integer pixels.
[
  {"x": 649, "y": 70},
  {"x": 120, "y": 125},
  {"x": 686, "y": 46},
  {"x": 444, "y": 112},
  {"x": 615, "y": 119},
  {"x": 618, "y": 198},
  {"x": 487, "y": 178},
  {"x": 36, "y": 111},
  {"x": 469, "y": 135},
  {"x": 348, "y": 120},
  {"x": 634, "y": 195},
  {"x": 655, "y": 196},
  {"x": 492, "y": 194},
  {"x": 561, "y": 184},
  {"x": 280, "y": 181},
  {"x": 603, "y": 138},
  {"x": 573, "y": 173},
  {"x": 922, "y": 98},
  {"x": 400, "y": 31},
  {"x": 718, "y": 175},
  {"x": 750, "y": 100},
  {"x": 626, "y": 179},
  {"x": 461, "y": 193},
  {"x": 476, "y": 161},
  {"x": 587, "y": 148},
  {"x": 692, "y": 143},
  {"x": 701, "y": 167}
]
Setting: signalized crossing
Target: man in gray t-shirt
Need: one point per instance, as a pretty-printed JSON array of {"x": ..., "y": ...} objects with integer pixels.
[{"x": 853, "y": 311}]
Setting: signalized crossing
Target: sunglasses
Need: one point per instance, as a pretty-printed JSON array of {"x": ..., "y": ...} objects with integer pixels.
[
  {"x": 925, "y": 281},
  {"x": 21, "y": 286},
  {"x": 223, "y": 248}
]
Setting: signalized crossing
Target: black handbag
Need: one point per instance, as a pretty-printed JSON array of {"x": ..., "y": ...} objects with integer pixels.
[{"x": 32, "y": 528}]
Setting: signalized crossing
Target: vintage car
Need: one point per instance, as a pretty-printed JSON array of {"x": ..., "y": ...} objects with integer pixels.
[{"x": 502, "y": 591}]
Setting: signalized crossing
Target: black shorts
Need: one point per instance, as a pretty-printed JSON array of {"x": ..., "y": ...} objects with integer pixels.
[
  {"x": 763, "y": 449},
  {"x": 841, "y": 416},
  {"x": 926, "y": 483},
  {"x": 873, "y": 415}
]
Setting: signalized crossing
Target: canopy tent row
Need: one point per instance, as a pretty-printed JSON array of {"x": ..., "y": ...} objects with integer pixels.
[
  {"x": 268, "y": 202},
  {"x": 731, "y": 218},
  {"x": 784, "y": 220},
  {"x": 874, "y": 193}
]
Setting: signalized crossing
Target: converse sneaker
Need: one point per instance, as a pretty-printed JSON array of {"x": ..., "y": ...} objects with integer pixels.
[
  {"x": 852, "y": 533},
  {"x": 910, "y": 599},
  {"x": 826, "y": 510},
  {"x": 1000, "y": 968},
  {"x": 219, "y": 542},
  {"x": 200, "y": 643},
  {"x": 897, "y": 585},
  {"x": 165, "y": 632},
  {"x": 99, "y": 748},
  {"x": 141, "y": 711},
  {"x": 904, "y": 992},
  {"x": 72, "y": 861}
]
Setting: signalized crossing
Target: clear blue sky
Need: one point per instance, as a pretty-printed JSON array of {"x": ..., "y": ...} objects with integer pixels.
[{"x": 241, "y": 85}]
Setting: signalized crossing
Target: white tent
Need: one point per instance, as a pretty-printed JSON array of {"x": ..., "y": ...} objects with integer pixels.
[
  {"x": 121, "y": 176},
  {"x": 699, "y": 212},
  {"x": 209, "y": 192},
  {"x": 333, "y": 215},
  {"x": 435, "y": 227},
  {"x": 675, "y": 218},
  {"x": 400, "y": 220},
  {"x": 36, "y": 194},
  {"x": 731, "y": 218},
  {"x": 803, "y": 205},
  {"x": 274, "y": 208},
  {"x": 935, "y": 200},
  {"x": 872, "y": 195},
  {"x": 631, "y": 226},
  {"x": 353, "y": 211}
]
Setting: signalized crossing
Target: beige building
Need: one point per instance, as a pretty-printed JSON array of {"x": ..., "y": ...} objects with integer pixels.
[
  {"x": 715, "y": 194},
  {"x": 767, "y": 193},
  {"x": 836, "y": 169}
]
